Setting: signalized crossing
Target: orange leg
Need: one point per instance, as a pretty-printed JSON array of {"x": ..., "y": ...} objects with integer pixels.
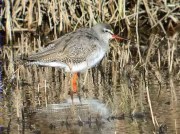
[{"x": 74, "y": 82}]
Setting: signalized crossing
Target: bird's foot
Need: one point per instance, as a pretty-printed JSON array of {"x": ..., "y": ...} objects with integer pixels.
[{"x": 71, "y": 93}]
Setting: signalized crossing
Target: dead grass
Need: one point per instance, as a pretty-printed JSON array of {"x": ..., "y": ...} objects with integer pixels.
[{"x": 125, "y": 73}]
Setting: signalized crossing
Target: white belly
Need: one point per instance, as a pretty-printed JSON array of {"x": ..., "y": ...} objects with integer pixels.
[
  {"x": 95, "y": 58},
  {"x": 91, "y": 61}
]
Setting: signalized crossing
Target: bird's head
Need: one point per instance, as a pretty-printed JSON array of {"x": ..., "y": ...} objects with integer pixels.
[{"x": 105, "y": 33}]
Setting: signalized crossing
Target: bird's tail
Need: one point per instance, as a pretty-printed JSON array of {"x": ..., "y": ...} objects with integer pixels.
[{"x": 22, "y": 59}]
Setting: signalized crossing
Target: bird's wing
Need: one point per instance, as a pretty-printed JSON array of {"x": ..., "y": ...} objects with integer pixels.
[
  {"x": 70, "y": 48},
  {"x": 52, "y": 47}
]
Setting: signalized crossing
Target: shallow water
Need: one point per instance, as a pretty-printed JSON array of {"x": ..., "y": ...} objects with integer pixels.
[
  {"x": 120, "y": 110},
  {"x": 120, "y": 95}
]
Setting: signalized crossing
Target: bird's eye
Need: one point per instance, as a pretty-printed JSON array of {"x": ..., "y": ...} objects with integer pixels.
[{"x": 107, "y": 31}]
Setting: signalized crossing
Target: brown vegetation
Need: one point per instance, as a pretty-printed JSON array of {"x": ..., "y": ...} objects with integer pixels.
[{"x": 124, "y": 77}]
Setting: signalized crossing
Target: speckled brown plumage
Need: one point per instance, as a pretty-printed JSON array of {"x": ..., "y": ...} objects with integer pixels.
[{"x": 75, "y": 51}]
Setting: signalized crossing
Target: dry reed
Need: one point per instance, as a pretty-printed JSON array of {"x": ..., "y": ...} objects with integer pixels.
[{"x": 151, "y": 55}]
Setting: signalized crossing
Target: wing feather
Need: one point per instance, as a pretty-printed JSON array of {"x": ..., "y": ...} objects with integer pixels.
[{"x": 74, "y": 47}]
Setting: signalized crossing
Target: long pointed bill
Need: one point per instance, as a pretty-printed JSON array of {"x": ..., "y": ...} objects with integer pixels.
[{"x": 118, "y": 37}]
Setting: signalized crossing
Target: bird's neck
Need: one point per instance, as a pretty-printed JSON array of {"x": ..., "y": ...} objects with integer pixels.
[{"x": 104, "y": 41}]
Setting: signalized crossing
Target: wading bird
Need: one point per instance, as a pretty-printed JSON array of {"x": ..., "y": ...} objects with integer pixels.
[{"x": 76, "y": 51}]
